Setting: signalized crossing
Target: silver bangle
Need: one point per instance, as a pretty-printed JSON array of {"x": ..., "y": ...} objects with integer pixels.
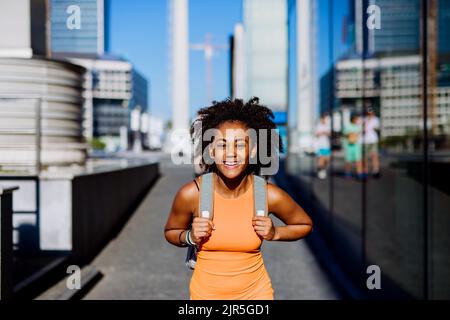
[{"x": 188, "y": 238}]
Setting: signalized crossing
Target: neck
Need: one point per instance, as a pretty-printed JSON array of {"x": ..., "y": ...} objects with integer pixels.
[{"x": 232, "y": 187}]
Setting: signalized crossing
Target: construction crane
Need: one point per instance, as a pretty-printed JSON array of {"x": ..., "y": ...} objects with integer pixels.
[{"x": 209, "y": 50}]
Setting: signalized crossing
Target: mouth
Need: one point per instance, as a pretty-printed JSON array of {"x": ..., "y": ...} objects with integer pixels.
[{"x": 231, "y": 164}]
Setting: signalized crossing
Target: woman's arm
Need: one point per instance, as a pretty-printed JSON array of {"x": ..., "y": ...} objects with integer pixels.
[
  {"x": 181, "y": 218},
  {"x": 181, "y": 214},
  {"x": 297, "y": 223}
]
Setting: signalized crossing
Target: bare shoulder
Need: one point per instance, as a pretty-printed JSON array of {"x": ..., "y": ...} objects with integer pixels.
[
  {"x": 188, "y": 193},
  {"x": 275, "y": 194},
  {"x": 187, "y": 197}
]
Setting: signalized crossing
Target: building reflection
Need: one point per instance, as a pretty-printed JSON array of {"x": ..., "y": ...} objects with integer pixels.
[{"x": 397, "y": 219}]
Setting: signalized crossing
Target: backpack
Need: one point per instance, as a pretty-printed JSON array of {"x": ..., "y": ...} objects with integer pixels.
[{"x": 206, "y": 206}]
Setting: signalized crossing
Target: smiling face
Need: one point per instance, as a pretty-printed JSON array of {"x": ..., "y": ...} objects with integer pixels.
[{"x": 232, "y": 148}]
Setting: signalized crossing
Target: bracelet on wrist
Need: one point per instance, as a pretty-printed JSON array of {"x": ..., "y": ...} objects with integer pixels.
[{"x": 188, "y": 238}]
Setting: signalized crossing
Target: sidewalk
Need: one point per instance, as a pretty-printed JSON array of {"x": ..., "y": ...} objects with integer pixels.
[{"x": 141, "y": 264}]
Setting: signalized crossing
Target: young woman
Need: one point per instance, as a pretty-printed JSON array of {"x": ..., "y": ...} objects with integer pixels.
[{"x": 229, "y": 262}]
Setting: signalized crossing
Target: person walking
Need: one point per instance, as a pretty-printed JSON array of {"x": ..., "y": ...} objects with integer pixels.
[
  {"x": 322, "y": 133},
  {"x": 352, "y": 147},
  {"x": 229, "y": 262},
  {"x": 370, "y": 142}
]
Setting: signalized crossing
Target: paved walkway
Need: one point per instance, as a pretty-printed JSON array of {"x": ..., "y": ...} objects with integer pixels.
[{"x": 140, "y": 264}]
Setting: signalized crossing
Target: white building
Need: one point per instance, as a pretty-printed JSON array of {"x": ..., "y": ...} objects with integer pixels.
[
  {"x": 107, "y": 93},
  {"x": 393, "y": 83},
  {"x": 238, "y": 67},
  {"x": 40, "y": 99},
  {"x": 155, "y": 132},
  {"x": 112, "y": 89},
  {"x": 265, "y": 34},
  {"x": 179, "y": 76},
  {"x": 306, "y": 76}
]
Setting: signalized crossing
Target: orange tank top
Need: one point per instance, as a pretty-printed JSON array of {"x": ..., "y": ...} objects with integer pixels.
[{"x": 229, "y": 263}]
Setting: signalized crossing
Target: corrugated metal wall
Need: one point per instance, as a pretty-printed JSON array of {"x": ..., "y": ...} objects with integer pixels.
[{"x": 33, "y": 89}]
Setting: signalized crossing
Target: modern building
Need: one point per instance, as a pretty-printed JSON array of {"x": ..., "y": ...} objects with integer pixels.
[
  {"x": 398, "y": 221},
  {"x": 78, "y": 26},
  {"x": 40, "y": 114},
  {"x": 266, "y": 53},
  {"x": 155, "y": 133},
  {"x": 113, "y": 88},
  {"x": 27, "y": 37},
  {"x": 265, "y": 27},
  {"x": 392, "y": 61},
  {"x": 237, "y": 68},
  {"x": 40, "y": 98},
  {"x": 302, "y": 111},
  {"x": 399, "y": 22},
  {"x": 392, "y": 89},
  {"x": 140, "y": 91},
  {"x": 179, "y": 75}
]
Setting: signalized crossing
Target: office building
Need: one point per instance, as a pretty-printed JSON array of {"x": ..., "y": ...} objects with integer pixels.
[
  {"x": 265, "y": 27},
  {"x": 392, "y": 89},
  {"x": 266, "y": 38},
  {"x": 237, "y": 68},
  {"x": 397, "y": 220},
  {"x": 40, "y": 99},
  {"x": 178, "y": 143},
  {"x": 302, "y": 111},
  {"x": 399, "y": 22},
  {"x": 113, "y": 88},
  {"x": 139, "y": 92},
  {"x": 78, "y": 27}
]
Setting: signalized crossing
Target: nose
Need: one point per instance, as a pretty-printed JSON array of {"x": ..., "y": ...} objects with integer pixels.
[{"x": 230, "y": 151}]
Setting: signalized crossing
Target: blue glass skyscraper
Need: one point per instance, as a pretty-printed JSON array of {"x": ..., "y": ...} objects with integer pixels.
[{"x": 86, "y": 37}]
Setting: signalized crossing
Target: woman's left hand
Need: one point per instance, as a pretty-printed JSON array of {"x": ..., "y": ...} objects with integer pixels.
[{"x": 264, "y": 227}]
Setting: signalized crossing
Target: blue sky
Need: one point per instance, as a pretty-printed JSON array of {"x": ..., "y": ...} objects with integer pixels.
[
  {"x": 340, "y": 9},
  {"x": 139, "y": 33}
]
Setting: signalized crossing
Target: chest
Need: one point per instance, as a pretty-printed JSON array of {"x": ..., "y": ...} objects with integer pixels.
[{"x": 233, "y": 221}]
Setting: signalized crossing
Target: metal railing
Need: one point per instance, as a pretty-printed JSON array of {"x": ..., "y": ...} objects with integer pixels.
[{"x": 6, "y": 248}]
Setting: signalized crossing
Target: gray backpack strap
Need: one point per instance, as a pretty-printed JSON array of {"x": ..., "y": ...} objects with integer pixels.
[
  {"x": 207, "y": 196},
  {"x": 260, "y": 195}
]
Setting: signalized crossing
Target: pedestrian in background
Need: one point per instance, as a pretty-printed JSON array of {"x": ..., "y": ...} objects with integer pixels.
[
  {"x": 352, "y": 147},
  {"x": 323, "y": 151},
  {"x": 370, "y": 142}
]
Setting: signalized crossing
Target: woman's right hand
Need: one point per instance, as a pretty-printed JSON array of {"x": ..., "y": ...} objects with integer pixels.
[{"x": 201, "y": 229}]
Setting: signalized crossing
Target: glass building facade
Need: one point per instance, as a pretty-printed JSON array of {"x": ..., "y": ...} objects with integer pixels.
[
  {"x": 398, "y": 219},
  {"x": 265, "y": 36},
  {"x": 67, "y": 37}
]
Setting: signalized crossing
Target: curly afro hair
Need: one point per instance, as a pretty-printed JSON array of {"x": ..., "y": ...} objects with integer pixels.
[{"x": 252, "y": 114}]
